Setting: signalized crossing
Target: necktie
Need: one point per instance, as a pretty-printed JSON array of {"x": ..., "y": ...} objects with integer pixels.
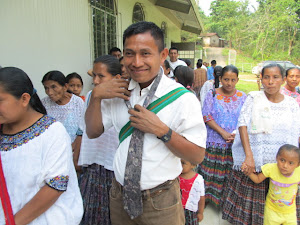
[{"x": 132, "y": 195}]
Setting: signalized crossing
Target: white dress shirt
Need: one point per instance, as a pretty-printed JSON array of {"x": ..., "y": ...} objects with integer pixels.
[{"x": 183, "y": 116}]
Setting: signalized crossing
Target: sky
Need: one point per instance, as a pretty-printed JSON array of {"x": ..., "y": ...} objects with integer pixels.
[{"x": 205, "y": 5}]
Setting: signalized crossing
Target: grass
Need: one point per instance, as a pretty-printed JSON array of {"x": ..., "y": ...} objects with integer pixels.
[{"x": 246, "y": 86}]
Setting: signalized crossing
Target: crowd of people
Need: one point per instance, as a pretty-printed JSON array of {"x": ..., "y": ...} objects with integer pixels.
[{"x": 153, "y": 142}]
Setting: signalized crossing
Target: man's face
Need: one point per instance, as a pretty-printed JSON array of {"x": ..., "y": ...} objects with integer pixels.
[
  {"x": 142, "y": 58},
  {"x": 116, "y": 54},
  {"x": 173, "y": 54}
]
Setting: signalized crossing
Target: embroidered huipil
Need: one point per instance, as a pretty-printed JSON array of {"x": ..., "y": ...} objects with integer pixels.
[
  {"x": 294, "y": 95},
  {"x": 41, "y": 155},
  {"x": 224, "y": 110}
]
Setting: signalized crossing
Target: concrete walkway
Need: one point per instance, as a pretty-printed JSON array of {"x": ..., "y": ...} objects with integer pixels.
[{"x": 213, "y": 216}]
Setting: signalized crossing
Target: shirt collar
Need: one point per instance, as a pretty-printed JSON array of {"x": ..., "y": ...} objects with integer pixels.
[{"x": 133, "y": 84}]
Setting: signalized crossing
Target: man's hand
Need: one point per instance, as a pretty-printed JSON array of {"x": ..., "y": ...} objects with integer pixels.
[
  {"x": 147, "y": 121},
  {"x": 111, "y": 89}
]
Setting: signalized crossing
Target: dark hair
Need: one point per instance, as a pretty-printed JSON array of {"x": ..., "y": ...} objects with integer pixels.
[
  {"x": 188, "y": 62},
  {"x": 114, "y": 49},
  {"x": 167, "y": 64},
  {"x": 143, "y": 27},
  {"x": 55, "y": 75},
  {"x": 184, "y": 75},
  {"x": 288, "y": 147},
  {"x": 199, "y": 63},
  {"x": 112, "y": 63},
  {"x": 217, "y": 74},
  {"x": 271, "y": 66},
  {"x": 16, "y": 82},
  {"x": 74, "y": 75},
  {"x": 173, "y": 48},
  {"x": 213, "y": 62},
  {"x": 230, "y": 68},
  {"x": 288, "y": 70}
]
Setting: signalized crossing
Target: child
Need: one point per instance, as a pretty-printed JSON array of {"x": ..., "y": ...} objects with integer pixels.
[
  {"x": 280, "y": 207},
  {"x": 192, "y": 189},
  {"x": 75, "y": 84}
]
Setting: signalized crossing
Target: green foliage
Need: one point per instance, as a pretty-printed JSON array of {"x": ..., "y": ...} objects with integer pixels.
[{"x": 271, "y": 32}]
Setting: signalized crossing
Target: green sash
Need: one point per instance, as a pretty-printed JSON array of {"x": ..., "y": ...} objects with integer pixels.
[{"x": 154, "y": 107}]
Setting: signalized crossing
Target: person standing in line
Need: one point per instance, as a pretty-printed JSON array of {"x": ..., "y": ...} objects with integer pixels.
[
  {"x": 267, "y": 121},
  {"x": 292, "y": 79},
  {"x": 116, "y": 52},
  {"x": 174, "y": 61},
  {"x": 75, "y": 84},
  {"x": 193, "y": 193},
  {"x": 36, "y": 157},
  {"x": 221, "y": 110},
  {"x": 172, "y": 129},
  {"x": 65, "y": 107},
  {"x": 210, "y": 85},
  {"x": 96, "y": 155},
  {"x": 210, "y": 70},
  {"x": 199, "y": 78}
]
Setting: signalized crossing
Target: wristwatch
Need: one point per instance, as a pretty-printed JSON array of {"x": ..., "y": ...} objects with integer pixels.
[{"x": 166, "y": 137}]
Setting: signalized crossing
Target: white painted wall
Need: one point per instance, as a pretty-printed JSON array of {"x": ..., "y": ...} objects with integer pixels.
[
  {"x": 42, "y": 35},
  {"x": 152, "y": 13}
]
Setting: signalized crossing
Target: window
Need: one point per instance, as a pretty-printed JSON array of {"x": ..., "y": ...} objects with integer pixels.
[
  {"x": 104, "y": 26},
  {"x": 138, "y": 13},
  {"x": 164, "y": 30}
]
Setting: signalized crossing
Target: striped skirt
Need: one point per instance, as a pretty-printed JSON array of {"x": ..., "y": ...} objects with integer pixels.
[
  {"x": 215, "y": 169},
  {"x": 190, "y": 217},
  {"x": 244, "y": 201},
  {"x": 95, "y": 183}
]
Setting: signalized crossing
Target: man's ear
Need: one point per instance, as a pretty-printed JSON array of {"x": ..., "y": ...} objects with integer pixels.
[{"x": 164, "y": 54}]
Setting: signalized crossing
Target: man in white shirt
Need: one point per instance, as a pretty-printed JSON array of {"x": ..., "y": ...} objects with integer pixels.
[
  {"x": 174, "y": 61},
  {"x": 176, "y": 131}
]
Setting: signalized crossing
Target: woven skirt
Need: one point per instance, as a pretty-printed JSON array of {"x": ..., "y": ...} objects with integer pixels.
[
  {"x": 190, "y": 217},
  {"x": 95, "y": 183},
  {"x": 215, "y": 169}
]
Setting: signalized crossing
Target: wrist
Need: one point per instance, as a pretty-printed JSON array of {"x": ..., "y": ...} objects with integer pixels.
[{"x": 162, "y": 131}]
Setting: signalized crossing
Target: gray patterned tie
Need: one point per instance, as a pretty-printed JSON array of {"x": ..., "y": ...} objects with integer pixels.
[{"x": 132, "y": 195}]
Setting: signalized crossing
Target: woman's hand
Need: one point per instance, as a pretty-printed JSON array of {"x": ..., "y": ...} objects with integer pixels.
[
  {"x": 226, "y": 136},
  {"x": 248, "y": 165}
]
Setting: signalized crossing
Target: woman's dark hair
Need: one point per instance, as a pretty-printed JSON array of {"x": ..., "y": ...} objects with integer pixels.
[
  {"x": 199, "y": 63},
  {"x": 230, "y": 68},
  {"x": 74, "y": 75},
  {"x": 167, "y": 64},
  {"x": 271, "y": 66},
  {"x": 288, "y": 70},
  {"x": 288, "y": 147},
  {"x": 55, "y": 75},
  {"x": 16, "y": 82},
  {"x": 112, "y": 63},
  {"x": 184, "y": 75},
  {"x": 217, "y": 74}
]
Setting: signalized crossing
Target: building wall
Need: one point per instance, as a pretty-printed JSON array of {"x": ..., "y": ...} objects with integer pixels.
[
  {"x": 38, "y": 36},
  {"x": 41, "y": 35},
  {"x": 214, "y": 41},
  {"x": 152, "y": 13}
]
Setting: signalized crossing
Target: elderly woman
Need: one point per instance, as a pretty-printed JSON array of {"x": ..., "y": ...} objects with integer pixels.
[
  {"x": 292, "y": 78},
  {"x": 268, "y": 120}
]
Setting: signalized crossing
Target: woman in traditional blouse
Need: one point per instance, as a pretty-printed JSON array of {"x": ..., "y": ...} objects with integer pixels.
[
  {"x": 267, "y": 121},
  {"x": 220, "y": 113},
  {"x": 65, "y": 107},
  {"x": 36, "y": 157}
]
